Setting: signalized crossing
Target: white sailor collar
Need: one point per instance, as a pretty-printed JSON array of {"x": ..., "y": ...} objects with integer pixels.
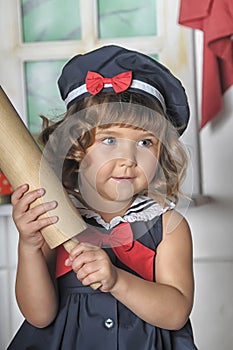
[{"x": 142, "y": 209}]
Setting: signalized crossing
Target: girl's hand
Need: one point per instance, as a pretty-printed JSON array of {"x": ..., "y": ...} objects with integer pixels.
[
  {"x": 27, "y": 219},
  {"x": 92, "y": 264}
]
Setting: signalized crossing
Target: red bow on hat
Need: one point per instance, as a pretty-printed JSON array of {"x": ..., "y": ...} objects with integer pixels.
[
  {"x": 95, "y": 82},
  {"x": 130, "y": 252}
]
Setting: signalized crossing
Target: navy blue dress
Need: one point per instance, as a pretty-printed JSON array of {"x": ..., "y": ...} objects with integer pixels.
[{"x": 92, "y": 320}]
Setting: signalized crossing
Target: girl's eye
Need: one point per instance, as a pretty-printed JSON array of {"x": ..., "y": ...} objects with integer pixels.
[
  {"x": 145, "y": 143},
  {"x": 109, "y": 141}
]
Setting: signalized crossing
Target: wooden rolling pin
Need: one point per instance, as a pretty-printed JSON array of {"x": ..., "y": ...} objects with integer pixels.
[{"x": 20, "y": 160}]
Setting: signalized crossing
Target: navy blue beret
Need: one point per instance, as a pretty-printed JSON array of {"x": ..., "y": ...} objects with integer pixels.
[{"x": 136, "y": 71}]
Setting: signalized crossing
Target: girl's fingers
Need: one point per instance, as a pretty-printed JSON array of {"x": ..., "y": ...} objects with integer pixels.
[
  {"x": 92, "y": 264},
  {"x": 82, "y": 249},
  {"x": 24, "y": 215},
  {"x": 40, "y": 209},
  {"x": 29, "y": 227},
  {"x": 83, "y": 254},
  {"x": 31, "y": 220},
  {"x": 18, "y": 193},
  {"x": 21, "y": 200},
  {"x": 41, "y": 223},
  {"x": 87, "y": 269}
]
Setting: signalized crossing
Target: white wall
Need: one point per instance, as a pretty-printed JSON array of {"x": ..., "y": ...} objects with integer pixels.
[{"x": 212, "y": 227}]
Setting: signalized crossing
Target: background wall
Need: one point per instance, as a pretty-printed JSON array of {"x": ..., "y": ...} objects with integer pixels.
[{"x": 212, "y": 226}]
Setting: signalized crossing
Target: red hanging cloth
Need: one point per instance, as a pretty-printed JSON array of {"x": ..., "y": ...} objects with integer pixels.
[{"x": 215, "y": 19}]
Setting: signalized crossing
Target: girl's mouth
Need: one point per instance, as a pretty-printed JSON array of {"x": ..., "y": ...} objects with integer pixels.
[{"x": 123, "y": 178}]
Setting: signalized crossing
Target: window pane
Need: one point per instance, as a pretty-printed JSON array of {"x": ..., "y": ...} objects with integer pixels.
[
  {"x": 49, "y": 20},
  {"x": 42, "y": 92},
  {"x": 127, "y": 18},
  {"x": 155, "y": 56}
]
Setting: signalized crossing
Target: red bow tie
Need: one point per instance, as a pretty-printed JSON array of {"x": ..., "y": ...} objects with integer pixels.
[
  {"x": 95, "y": 82},
  {"x": 121, "y": 235},
  {"x": 131, "y": 253}
]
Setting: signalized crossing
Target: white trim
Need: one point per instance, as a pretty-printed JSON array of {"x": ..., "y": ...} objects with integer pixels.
[
  {"x": 145, "y": 214},
  {"x": 75, "y": 93},
  {"x": 136, "y": 84}
]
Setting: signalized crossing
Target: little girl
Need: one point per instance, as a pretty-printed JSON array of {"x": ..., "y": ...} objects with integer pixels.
[{"x": 122, "y": 164}]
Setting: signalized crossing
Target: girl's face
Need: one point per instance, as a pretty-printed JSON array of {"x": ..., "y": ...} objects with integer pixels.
[{"x": 120, "y": 163}]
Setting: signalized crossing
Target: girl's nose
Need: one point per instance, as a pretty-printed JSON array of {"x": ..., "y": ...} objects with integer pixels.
[
  {"x": 127, "y": 154},
  {"x": 127, "y": 162}
]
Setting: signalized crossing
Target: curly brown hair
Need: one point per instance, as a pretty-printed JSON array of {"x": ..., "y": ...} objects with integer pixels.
[{"x": 77, "y": 131}]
